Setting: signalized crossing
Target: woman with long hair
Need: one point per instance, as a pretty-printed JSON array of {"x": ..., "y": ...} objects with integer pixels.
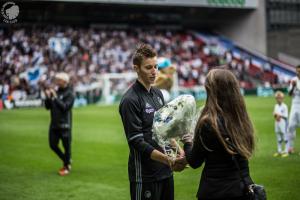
[{"x": 223, "y": 132}]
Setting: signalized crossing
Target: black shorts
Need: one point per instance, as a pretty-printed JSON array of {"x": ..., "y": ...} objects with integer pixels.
[
  {"x": 230, "y": 198},
  {"x": 160, "y": 190}
]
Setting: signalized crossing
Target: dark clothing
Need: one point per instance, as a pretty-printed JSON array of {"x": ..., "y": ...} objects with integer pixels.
[
  {"x": 60, "y": 107},
  {"x": 61, "y": 122},
  {"x": 65, "y": 136},
  {"x": 137, "y": 109},
  {"x": 220, "y": 177},
  {"x": 230, "y": 198},
  {"x": 163, "y": 190}
]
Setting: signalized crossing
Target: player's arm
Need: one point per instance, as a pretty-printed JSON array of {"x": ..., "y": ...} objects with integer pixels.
[
  {"x": 277, "y": 115},
  {"x": 292, "y": 87},
  {"x": 274, "y": 112},
  {"x": 163, "y": 158}
]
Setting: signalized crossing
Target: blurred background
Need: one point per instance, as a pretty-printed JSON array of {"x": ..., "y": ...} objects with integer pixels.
[{"x": 93, "y": 42}]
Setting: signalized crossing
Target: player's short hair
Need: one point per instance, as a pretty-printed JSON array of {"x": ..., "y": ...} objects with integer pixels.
[
  {"x": 279, "y": 94},
  {"x": 143, "y": 51},
  {"x": 298, "y": 66}
]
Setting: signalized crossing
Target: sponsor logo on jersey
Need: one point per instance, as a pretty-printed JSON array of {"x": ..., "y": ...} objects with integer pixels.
[
  {"x": 147, "y": 194},
  {"x": 149, "y": 109}
]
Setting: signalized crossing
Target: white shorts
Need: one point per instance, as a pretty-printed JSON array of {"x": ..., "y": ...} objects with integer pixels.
[{"x": 281, "y": 130}]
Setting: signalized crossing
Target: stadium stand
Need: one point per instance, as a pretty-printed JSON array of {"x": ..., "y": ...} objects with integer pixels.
[{"x": 31, "y": 55}]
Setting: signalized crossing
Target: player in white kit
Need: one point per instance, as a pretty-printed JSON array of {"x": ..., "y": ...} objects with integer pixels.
[
  {"x": 294, "y": 120},
  {"x": 281, "y": 114}
]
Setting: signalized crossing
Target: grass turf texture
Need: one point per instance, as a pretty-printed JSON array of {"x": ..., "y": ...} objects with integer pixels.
[{"x": 28, "y": 168}]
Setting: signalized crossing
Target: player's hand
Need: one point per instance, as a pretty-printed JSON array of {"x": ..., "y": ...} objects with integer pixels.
[
  {"x": 180, "y": 153},
  {"x": 278, "y": 117},
  {"x": 179, "y": 164}
]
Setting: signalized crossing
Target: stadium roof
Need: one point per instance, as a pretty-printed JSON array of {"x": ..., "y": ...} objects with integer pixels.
[{"x": 239, "y": 4}]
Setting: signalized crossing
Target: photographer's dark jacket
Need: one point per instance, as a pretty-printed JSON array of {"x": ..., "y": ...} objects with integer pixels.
[{"x": 61, "y": 108}]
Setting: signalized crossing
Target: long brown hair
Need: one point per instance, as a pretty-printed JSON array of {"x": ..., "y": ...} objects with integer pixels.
[{"x": 224, "y": 100}]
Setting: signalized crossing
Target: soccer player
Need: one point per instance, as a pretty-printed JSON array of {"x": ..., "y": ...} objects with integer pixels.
[
  {"x": 294, "y": 120},
  {"x": 60, "y": 104},
  {"x": 281, "y": 114},
  {"x": 149, "y": 169}
]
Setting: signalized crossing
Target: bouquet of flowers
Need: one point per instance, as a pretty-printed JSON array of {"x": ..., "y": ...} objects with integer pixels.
[{"x": 174, "y": 120}]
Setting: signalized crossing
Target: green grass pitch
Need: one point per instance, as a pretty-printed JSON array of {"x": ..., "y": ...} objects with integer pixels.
[{"x": 28, "y": 168}]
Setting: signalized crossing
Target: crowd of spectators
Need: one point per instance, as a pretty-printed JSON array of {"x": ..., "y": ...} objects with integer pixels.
[{"x": 30, "y": 56}]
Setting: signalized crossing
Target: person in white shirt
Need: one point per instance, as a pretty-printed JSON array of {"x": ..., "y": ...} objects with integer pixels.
[
  {"x": 281, "y": 114},
  {"x": 294, "y": 120}
]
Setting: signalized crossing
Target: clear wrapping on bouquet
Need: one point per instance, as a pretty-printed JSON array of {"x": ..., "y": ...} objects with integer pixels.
[{"x": 175, "y": 119}]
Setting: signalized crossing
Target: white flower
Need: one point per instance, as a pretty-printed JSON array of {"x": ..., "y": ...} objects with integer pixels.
[{"x": 174, "y": 119}]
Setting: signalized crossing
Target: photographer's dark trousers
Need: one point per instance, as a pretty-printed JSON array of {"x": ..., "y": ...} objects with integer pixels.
[{"x": 65, "y": 136}]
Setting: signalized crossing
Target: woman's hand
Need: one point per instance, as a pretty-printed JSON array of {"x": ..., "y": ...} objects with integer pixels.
[{"x": 187, "y": 138}]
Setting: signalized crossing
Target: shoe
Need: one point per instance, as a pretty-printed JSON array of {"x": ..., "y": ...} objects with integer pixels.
[
  {"x": 276, "y": 154},
  {"x": 64, "y": 171},
  {"x": 284, "y": 155}
]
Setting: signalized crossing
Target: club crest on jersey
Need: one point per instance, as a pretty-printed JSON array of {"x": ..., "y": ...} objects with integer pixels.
[{"x": 147, "y": 194}]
